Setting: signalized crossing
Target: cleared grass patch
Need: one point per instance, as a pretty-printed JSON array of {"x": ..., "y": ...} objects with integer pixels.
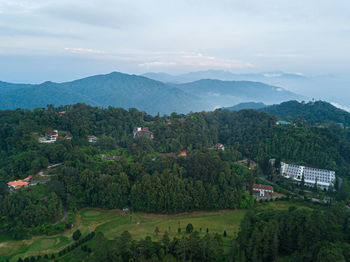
[
  {"x": 113, "y": 222},
  {"x": 91, "y": 213}
]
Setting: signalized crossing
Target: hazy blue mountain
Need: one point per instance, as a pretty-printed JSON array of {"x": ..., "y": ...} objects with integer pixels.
[
  {"x": 126, "y": 91},
  {"x": 30, "y": 96},
  {"x": 4, "y": 86},
  {"x": 247, "y": 105},
  {"x": 115, "y": 89},
  {"x": 225, "y": 93},
  {"x": 318, "y": 112},
  {"x": 163, "y": 77},
  {"x": 274, "y": 77}
]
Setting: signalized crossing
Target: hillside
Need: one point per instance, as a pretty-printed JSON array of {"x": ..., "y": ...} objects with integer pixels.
[
  {"x": 148, "y": 175},
  {"x": 225, "y": 93},
  {"x": 275, "y": 77},
  {"x": 247, "y": 105},
  {"x": 319, "y": 112},
  {"x": 114, "y": 89},
  {"x": 132, "y": 91}
]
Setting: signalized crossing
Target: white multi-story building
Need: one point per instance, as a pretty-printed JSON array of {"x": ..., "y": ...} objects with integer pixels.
[{"x": 324, "y": 178}]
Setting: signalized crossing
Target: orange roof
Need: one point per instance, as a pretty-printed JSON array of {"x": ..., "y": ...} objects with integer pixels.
[
  {"x": 183, "y": 152},
  {"x": 17, "y": 183},
  {"x": 28, "y": 177}
]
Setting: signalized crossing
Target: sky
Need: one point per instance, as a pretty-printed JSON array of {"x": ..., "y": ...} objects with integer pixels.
[{"x": 61, "y": 40}]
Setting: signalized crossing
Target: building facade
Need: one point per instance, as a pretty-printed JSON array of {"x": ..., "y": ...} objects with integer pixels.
[
  {"x": 51, "y": 136},
  {"x": 324, "y": 178},
  {"x": 145, "y": 132},
  {"x": 262, "y": 191}
]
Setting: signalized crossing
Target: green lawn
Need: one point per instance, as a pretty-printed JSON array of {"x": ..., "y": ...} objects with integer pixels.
[{"x": 113, "y": 223}]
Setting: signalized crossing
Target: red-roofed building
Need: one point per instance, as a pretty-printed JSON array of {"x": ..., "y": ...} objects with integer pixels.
[
  {"x": 51, "y": 135},
  {"x": 262, "y": 191},
  {"x": 138, "y": 132},
  {"x": 219, "y": 146},
  {"x": 28, "y": 178},
  {"x": 169, "y": 154},
  {"x": 20, "y": 183}
]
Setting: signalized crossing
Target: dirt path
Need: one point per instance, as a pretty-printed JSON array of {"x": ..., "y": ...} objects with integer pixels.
[
  {"x": 64, "y": 217},
  {"x": 100, "y": 209}
]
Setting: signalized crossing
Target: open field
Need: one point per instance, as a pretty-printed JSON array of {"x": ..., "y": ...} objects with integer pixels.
[{"x": 113, "y": 222}]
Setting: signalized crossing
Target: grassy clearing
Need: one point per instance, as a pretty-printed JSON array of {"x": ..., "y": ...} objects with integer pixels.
[
  {"x": 113, "y": 222},
  {"x": 284, "y": 205}
]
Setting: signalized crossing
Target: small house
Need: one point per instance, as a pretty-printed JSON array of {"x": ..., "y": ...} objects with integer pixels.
[
  {"x": 51, "y": 136},
  {"x": 283, "y": 123},
  {"x": 111, "y": 157},
  {"x": 92, "y": 139},
  {"x": 219, "y": 146},
  {"x": 19, "y": 183},
  {"x": 169, "y": 155},
  {"x": 183, "y": 152},
  {"x": 142, "y": 132},
  {"x": 262, "y": 191}
]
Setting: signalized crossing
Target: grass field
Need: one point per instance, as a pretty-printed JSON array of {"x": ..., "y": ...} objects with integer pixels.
[{"x": 113, "y": 222}]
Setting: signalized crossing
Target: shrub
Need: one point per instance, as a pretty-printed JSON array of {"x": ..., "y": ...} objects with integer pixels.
[
  {"x": 76, "y": 235},
  {"x": 189, "y": 228}
]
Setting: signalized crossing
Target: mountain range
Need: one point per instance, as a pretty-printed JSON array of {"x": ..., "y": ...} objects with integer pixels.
[
  {"x": 313, "y": 113},
  {"x": 223, "y": 93},
  {"x": 246, "y": 105},
  {"x": 273, "y": 77},
  {"x": 114, "y": 89},
  {"x": 145, "y": 94}
]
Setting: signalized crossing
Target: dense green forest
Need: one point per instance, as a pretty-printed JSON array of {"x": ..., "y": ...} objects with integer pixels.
[
  {"x": 302, "y": 235},
  {"x": 144, "y": 179},
  {"x": 190, "y": 248},
  {"x": 313, "y": 113}
]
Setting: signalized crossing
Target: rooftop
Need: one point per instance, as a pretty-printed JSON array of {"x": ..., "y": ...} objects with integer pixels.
[{"x": 264, "y": 187}]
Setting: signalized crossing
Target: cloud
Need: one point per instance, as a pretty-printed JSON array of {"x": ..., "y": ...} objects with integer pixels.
[
  {"x": 196, "y": 60},
  {"x": 13, "y": 31},
  {"x": 345, "y": 108},
  {"x": 110, "y": 14},
  {"x": 157, "y": 64},
  {"x": 80, "y": 50},
  {"x": 281, "y": 55}
]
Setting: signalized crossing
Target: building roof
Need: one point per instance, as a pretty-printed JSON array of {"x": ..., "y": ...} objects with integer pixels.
[
  {"x": 28, "y": 178},
  {"x": 111, "y": 157},
  {"x": 17, "y": 183},
  {"x": 51, "y": 132},
  {"x": 282, "y": 122},
  {"x": 183, "y": 152},
  {"x": 169, "y": 154},
  {"x": 264, "y": 187}
]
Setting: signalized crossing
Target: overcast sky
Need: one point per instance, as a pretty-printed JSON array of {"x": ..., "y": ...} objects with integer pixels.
[{"x": 62, "y": 40}]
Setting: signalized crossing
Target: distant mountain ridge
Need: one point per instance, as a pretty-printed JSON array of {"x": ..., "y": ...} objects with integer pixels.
[
  {"x": 314, "y": 112},
  {"x": 226, "y": 93},
  {"x": 128, "y": 91},
  {"x": 273, "y": 77},
  {"x": 318, "y": 112},
  {"x": 114, "y": 89},
  {"x": 247, "y": 105}
]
